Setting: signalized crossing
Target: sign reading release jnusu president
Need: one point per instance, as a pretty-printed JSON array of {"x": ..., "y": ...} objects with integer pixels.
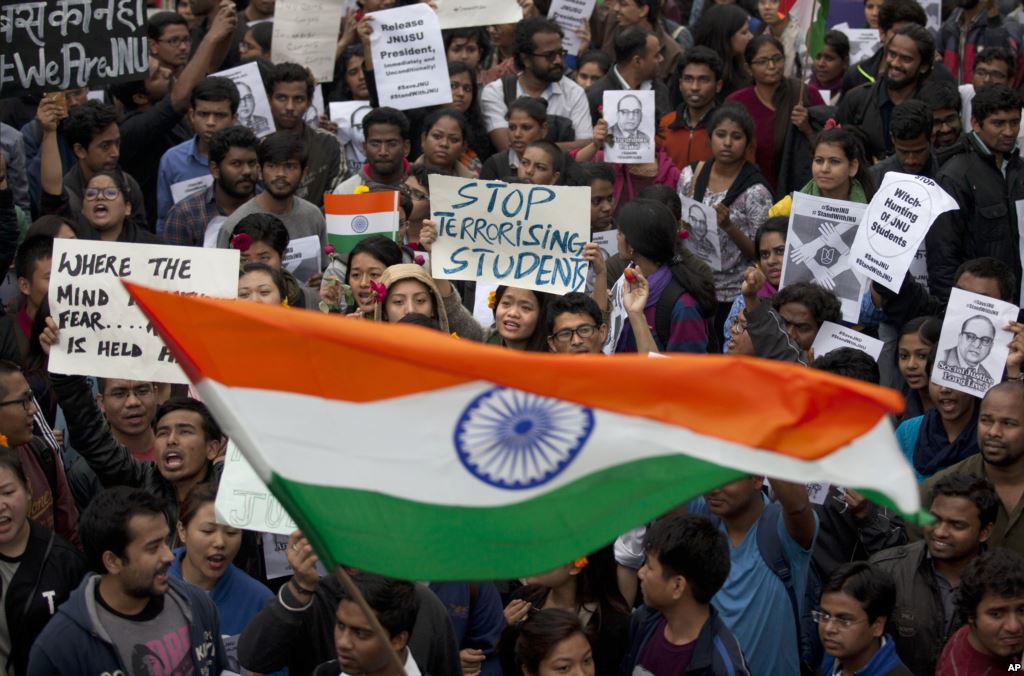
[{"x": 529, "y": 236}]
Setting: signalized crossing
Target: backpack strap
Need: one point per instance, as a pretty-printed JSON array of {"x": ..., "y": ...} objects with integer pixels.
[
  {"x": 663, "y": 311},
  {"x": 770, "y": 547},
  {"x": 509, "y": 87}
]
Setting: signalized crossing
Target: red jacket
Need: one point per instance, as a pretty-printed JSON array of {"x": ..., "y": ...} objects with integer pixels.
[
  {"x": 960, "y": 658},
  {"x": 58, "y": 513}
]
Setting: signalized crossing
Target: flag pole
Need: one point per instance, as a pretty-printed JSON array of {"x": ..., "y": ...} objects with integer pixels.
[
  {"x": 357, "y": 597},
  {"x": 806, "y": 65}
]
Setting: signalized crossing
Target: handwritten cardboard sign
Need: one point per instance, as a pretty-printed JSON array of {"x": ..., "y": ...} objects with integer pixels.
[
  {"x": 528, "y": 236},
  {"x": 102, "y": 332},
  {"x": 466, "y": 13},
  {"x": 51, "y": 45},
  {"x": 894, "y": 226},
  {"x": 244, "y": 501},
  {"x": 409, "y": 64},
  {"x": 306, "y": 32}
]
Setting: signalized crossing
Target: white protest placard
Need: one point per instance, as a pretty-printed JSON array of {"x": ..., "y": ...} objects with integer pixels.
[
  {"x": 409, "y": 63},
  {"x": 894, "y": 226},
  {"x": 302, "y": 257},
  {"x": 973, "y": 346},
  {"x": 466, "y": 13},
  {"x": 183, "y": 189},
  {"x": 348, "y": 115},
  {"x": 705, "y": 239},
  {"x": 608, "y": 240},
  {"x": 527, "y": 236},
  {"x": 571, "y": 15},
  {"x": 244, "y": 501},
  {"x": 253, "y": 104},
  {"x": 832, "y": 336},
  {"x": 821, "y": 232},
  {"x": 631, "y": 118},
  {"x": 316, "y": 108},
  {"x": 919, "y": 266},
  {"x": 863, "y": 42},
  {"x": 101, "y": 332},
  {"x": 617, "y": 315},
  {"x": 306, "y": 32}
]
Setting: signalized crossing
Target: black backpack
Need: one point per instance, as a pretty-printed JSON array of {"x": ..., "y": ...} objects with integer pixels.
[{"x": 560, "y": 128}]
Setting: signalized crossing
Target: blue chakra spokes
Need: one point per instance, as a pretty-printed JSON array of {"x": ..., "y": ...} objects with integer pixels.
[{"x": 513, "y": 439}]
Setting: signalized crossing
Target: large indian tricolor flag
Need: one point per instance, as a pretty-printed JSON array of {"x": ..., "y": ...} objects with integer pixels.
[
  {"x": 410, "y": 453},
  {"x": 351, "y": 218}
]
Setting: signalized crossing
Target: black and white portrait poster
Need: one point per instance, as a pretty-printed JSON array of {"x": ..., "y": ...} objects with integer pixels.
[
  {"x": 705, "y": 239},
  {"x": 253, "y": 104},
  {"x": 630, "y": 115},
  {"x": 973, "y": 345},
  {"x": 821, "y": 232}
]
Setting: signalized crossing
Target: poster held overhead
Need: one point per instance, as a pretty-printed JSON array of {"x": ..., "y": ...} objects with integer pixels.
[
  {"x": 571, "y": 15},
  {"x": 101, "y": 332},
  {"x": 973, "y": 346},
  {"x": 253, "y": 105},
  {"x": 56, "y": 45},
  {"x": 306, "y": 32},
  {"x": 631, "y": 126},
  {"x": 821, "y": 232},
  {"x": 894, "y": 226},
  {"x": 409, "y": 63},
  {"x": 468, "y": 13},
  {"x": 528, "y": 236}
]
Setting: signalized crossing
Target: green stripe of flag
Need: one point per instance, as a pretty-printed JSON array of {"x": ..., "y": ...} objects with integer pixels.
[
  {"x": 510, "y": 541},
  {"x": 345, "y": 243}
]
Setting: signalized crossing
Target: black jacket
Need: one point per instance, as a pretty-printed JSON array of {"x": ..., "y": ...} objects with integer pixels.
[
  {"x": 303, "y": 639},
  {"x": 112, "y": 462},
  {"x": 916, "y": 624},
  {"x": 986, "y": 222},
  {"x": 716, "y": 653},
  {"x": 610, "y": 82},
  {"x": 861, "y": 108},
  {"x": 49, "y": 570}
]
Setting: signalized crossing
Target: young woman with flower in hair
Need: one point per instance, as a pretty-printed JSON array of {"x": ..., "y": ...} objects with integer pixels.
[{"x": 263, "y": 238}]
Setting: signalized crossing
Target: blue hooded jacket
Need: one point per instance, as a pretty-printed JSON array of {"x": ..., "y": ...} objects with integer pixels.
[
  {"x": 884, "y": 663},
  {"x": 75, "y": 642}
]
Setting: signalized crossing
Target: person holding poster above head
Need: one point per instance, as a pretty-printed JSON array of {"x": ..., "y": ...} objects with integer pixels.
[{"x": 741, "y": 198}]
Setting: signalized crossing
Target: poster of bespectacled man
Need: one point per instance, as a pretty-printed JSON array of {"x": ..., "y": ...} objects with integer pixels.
[{"x": 973, "y": 345}]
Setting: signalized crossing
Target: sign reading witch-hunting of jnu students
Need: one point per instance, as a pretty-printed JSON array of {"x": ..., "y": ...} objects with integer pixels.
[
  {"x": 529, "y": 236},
  {"x": 102, "y": 332},
  {"x": 52, "y": 45}
]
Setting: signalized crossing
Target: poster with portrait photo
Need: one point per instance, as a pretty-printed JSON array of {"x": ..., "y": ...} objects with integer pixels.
[
  {"x": 630, "y": 115},
  {"x": 348, "y": 115},
  {"x": 705, "y": 239},
  {"x": 973, "y": 346},
  {"x": 316, "y": 108},
  {"x": 821, "y": 232},
  {"x": 253, "y": 104}
]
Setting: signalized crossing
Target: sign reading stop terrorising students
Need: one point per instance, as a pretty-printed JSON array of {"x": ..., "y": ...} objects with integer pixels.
[
  {"x": 894, "y": 226},
  {"x": 409, "y": 64},
  {"x": 528, "y": 236},
  {"x": 52, "y": 45},
  {"x": 102, "y": 333}
]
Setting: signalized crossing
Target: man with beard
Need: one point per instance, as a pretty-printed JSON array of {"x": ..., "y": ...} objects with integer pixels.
[
  {"x": 1001, "y": 461},
  {"x": 909, "y": 58},
  {"x": 944, "y": 103},
  {"x": 539, "y": 59},
  {"x": 129, "y": 615},
  {"x": 974, "y": 26},
  {"x": 283, "y": 162},
  {"x": 927, "y": 572},
  {"x": 985, "y": 181},
  {"x": 196, "y": 220},
  {"x": 290, "y": 88},
  {"x": 213, "y": 106},
  {"x": 387, "y": 146}
]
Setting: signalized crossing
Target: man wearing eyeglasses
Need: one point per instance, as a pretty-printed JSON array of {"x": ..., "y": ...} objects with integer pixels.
[
  {"x": 169, "y": 40},
  {"x": 51, "y": 503},
  {"x": 626, "y": 130},
  {"x": 972, "y": 348}
]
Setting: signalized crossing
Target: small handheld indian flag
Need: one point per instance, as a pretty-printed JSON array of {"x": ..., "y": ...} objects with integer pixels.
[
  {"x": 351, "y": 218},
  {"x": 401, "y": 451}
]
